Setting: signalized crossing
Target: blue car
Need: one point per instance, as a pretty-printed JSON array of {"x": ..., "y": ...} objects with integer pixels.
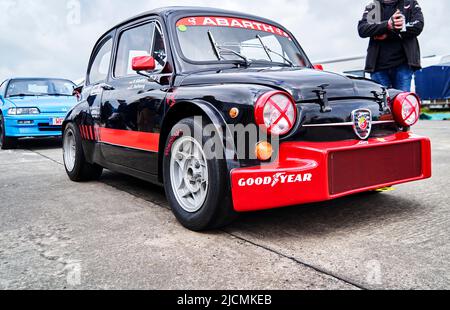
[{"x": 33, "y": 107}]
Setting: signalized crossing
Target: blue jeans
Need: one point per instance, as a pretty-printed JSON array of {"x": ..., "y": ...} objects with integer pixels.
[{"x": 399, "y": 77}]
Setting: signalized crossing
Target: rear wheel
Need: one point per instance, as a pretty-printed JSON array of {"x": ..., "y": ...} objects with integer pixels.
[
  {"x": 195, "y": 183},
  {"x": 6, "y": 143},
  {"x": 77, "y": 168}
]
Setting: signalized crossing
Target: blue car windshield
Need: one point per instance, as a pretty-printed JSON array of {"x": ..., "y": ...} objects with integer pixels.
[{"x": 39, "y": 87}]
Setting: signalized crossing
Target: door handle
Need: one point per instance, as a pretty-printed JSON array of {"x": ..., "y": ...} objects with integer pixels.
[{"x": 105, "y": 86}]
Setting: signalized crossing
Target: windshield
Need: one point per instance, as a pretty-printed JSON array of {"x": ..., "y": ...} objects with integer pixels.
[
  {"x": 40, "y": 87},
  {"x": 212, "y": 39}
]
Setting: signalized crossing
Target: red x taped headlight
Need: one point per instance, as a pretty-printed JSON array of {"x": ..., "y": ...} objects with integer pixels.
[
  {"x": 406, "y": 107},
  {"x": 276, "y": 111}
]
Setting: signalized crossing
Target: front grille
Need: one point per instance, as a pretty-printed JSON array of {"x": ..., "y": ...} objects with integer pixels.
[
  {"x": 362, "y": 168},
  {"x": 47, "y": 127}
]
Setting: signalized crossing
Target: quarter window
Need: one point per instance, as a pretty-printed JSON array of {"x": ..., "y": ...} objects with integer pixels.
[
  {"x": 99, "y": 68},
  {"x": 159, "y": 51}
]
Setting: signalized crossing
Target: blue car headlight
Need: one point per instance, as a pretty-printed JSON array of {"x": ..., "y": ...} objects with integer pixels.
[{"x": 23, "y": 111}]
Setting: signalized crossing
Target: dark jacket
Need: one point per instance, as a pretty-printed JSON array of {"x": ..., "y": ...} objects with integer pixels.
[{"x": 415, "y": 21}]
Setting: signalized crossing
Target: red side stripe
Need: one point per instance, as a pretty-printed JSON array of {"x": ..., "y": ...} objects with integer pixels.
[
  {"x": 81, "y": 131},
  {"x": 91, "y": 132},
  {"x": 97, "y": 130},
  {"x": 132, "y": 139}
]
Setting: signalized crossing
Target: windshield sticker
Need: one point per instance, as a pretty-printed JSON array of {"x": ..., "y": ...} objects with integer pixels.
[
  {"x": 182, "y": 28},
  {"x": 182, "y": 24}
]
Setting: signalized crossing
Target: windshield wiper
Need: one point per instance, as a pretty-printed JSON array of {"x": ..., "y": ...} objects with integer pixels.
[
  {"x": 268, "y": 51},
  {"x": 214, "y": 45},
  {"x": 21, "y": 95},
  {"x": 245, "y": 59},
  {"x": 219, "y": 50},
  {"x": 56, "y": 94}
]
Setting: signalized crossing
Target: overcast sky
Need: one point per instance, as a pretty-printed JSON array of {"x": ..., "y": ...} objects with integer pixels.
[{"x": 50, "y": 38}]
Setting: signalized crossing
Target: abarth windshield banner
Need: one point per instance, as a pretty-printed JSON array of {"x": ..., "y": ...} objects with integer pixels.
[{"x": 214, "y": 21}]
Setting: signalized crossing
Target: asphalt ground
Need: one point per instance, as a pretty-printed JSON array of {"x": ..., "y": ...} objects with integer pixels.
[{"x": 118, "y": 233}]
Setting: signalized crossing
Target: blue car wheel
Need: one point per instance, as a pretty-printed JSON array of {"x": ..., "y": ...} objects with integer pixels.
[{"x": 6, "y": 143}]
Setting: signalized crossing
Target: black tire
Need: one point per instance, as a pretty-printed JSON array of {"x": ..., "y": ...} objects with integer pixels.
[
  {"x": 217, "y": 210},
  {"x": 81, "y": 170},
  {"x": 6, "y": 143}
]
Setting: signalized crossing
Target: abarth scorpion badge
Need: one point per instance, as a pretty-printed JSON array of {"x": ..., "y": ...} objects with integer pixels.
[{"x": 362, "y": 123}]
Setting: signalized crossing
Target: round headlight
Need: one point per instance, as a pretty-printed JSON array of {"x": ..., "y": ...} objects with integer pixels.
[
  {"x": 276, "y": 111},
  {"x": 406, "y": 108}
]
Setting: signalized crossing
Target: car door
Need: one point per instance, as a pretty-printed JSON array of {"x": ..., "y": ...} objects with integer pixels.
[
  {"x": 97, "y": 77},
  {"x": 132, "y": 108}
]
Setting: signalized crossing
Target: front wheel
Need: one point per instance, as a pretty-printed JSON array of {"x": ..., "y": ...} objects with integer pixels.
[
  {"x": 195, "y": 184},
  {"x": 77, "y": 168},
  {"x": 6, "y": 143}
]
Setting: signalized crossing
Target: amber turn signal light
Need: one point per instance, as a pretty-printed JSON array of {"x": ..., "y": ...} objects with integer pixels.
[
  {"x": 234, "y": 112},
  {"x": 264, "y": 151}
]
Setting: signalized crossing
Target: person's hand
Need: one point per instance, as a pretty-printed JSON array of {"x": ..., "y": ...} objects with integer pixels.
[
  {"x": 397, "y": 21},
  {"x": 381, "y": 37}
]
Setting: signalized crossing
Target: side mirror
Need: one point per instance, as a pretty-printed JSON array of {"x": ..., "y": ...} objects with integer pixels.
[
  {"x": 318, "y": 67},
  {"x": 77, "y": 92},
  {"x": 143, "y": 63}
]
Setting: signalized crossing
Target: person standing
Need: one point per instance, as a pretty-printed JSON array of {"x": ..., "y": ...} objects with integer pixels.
[{"x": 394, "y": 53}]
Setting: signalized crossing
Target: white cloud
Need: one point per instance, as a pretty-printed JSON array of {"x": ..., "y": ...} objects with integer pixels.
[{"x": 37, "y": 40}]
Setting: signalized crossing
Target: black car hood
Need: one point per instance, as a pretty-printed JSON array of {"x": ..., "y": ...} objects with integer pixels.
[{"x": 301, "y": 83}]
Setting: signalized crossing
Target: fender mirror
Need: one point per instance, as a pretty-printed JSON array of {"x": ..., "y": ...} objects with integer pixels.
[
  {"x": 318, "y": 67},
  {"x": 143, "y": 63}
]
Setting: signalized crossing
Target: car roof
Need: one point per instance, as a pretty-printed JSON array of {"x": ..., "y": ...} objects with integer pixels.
[
  {"x": 37, "y": 78},
  {"x": 171, "y": 14},
  {"x": 183, "y": 11}
]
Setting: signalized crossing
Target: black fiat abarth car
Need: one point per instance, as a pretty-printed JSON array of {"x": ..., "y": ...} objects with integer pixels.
[{"x": 168, "y": 95}]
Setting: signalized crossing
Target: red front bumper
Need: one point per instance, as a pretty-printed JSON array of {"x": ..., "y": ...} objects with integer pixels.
[{"x": 317, "y": 171}]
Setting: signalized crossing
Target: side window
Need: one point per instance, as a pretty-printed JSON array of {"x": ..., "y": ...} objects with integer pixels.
[
  {"x": 133, "y": 43},
  {"x": 99, "y": 68},
  {"x": 144, "y": 40}
]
